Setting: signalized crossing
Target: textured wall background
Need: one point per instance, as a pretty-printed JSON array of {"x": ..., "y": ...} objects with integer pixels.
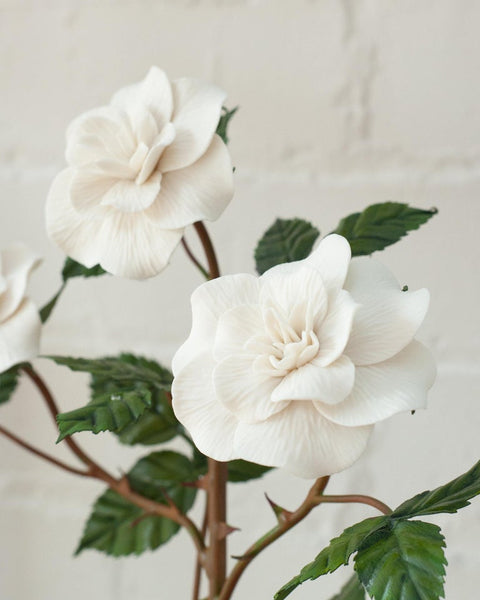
[{"x": 343, "y": 103}]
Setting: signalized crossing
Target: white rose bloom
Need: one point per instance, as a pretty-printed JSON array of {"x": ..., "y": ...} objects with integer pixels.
[
  {"x": 292, "y": 369},
  {"x": 19, "y": 319},
  {"x": 140, "y": 170}
]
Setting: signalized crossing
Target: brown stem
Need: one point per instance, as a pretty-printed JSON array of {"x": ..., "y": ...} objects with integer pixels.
[
  {"x": 58, "y": 463},
  {"x": 283, "y": 526},
  {"x": 198, "y": 563},
  {"x": 357, "y": 498},
  {"x": 209, "y": 249},
  {"x": 121, "y": 486},
  {"x": 194, "y": 259}
]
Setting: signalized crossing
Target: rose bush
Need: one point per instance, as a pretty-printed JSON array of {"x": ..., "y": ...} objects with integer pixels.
[
  {"x": 139, "y": 171},
  {"x": 292, "y": 369},
  {"x": 20, "y": 324}
]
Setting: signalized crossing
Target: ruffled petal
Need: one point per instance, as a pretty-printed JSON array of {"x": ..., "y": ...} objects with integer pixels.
[
  {"x": 197, "y": 109},
  {"x": 331, "y": 258},
  {"x": 302, "y": 441},
  {"x": 211, "y": 426},
  {"x": 209, "y": 302},
  {"x": 153, "y": 93},
  {"x": 330, "y": 384},
  {"x": 244, "y": 391},
  {"x": 20, "y": 336},
  {"x": 88, "y": 187},
  {"x": 17, "y": 262},
  {"x": 130, "y": 197},
  {"x": 335, "y": 330},
  {"x": 387, "y": 318},
  {"x": 76, "y": 236},
  {"x": 382, "y": 390},
  {"x": 235, "y": 328},
  {"x": 198, "y": 192}
]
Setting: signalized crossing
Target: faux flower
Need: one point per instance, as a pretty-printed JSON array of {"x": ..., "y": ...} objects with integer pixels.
[
  {"x": 19, "y": 319},
  {"x": 292, "y": 369},
  {"x": 140, "y": 170}
]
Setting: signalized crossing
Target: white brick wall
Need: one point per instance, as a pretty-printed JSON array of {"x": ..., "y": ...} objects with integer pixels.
[{"x": 343, "y": 103}]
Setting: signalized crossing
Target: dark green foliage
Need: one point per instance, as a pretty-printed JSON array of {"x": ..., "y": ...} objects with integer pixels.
[
  {"x": 106, "y": 412},
  {"x": 381, "y": 225},
  {"x": 242, "y": 470},
  {"x": 72, "y": 268},
  {"x": 406, "y": 561},
  {"x": 448, "y": 498},
  {"x": 119, "y": 528},
  {"x": 287, "y": 240},
  {"x": 352, "y": 590},
  {"x": 224, "y": 121},
  {"x": 8, "y": 383}
]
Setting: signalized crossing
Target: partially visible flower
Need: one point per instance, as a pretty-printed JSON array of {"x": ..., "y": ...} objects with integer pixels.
[
  {"x": 292, "y": 369},
  {"x": 19, "y": 319},
  {"x": 139, "y": 171}
]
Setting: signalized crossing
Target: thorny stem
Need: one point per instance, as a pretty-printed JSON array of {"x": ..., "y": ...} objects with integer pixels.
[
  {"x": 194, "y": 259},
  {"x": 198, "y": 564},
  {"x": 95, "y": 471},
  {"x": 216, "y": 555},
  {"x": 357, "y": 498}
]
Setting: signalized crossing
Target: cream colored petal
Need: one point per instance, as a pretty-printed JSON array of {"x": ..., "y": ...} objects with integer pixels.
[
  {"x": 335, "y": 330},
  {"x": 209, "y": 302},
  {"x": 330, "y": 384},
  {"x": 17, "y": 263},
  {"x": 382, "y": 390},
  {"x": 244, "y": 391},
  {"x": 387, "y": 318},
  {"x": 130, "y": 197},
  {"x": 197, "y": 109},
  {"x": 211, "y": 426},
  {"x": 331, "y": 258},
  {"x": 302, "y": 441},
  {"x": 87, "y": 190},
  {"x": 235, "y": 328},
  {"x": 20, "y": 336},
  {"x": 198, "y": 192}
]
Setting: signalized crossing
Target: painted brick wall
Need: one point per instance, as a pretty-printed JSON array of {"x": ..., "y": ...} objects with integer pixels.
[{"x": 343, "y": 103}]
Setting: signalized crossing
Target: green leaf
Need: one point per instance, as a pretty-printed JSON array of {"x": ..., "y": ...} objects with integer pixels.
[
  {"x": 404, "y": 561},
  {"x": 352, "y": 590},
  {"x": 337, "y": 553},
  {"x": 381, "y": 225},
  {"x": 287, "y": 240},
  {"x": 8, "y": 383},
  {"x": 72, "y": 268},
  {"x": 107, "y": 412},
  {"x": 119, "y": 528},
  {"x": 242, "y": 470},
  {"x": 448, "y": 498},
  {"x": 46, "y": 311},
  {"x": 224, "y": 122}
]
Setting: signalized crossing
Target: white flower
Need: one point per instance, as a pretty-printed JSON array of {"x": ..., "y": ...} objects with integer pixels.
[
  {"x": 19, "y": 319},
  {"x": 292, "y": 369},
  {"x": 140, "y": 170}
]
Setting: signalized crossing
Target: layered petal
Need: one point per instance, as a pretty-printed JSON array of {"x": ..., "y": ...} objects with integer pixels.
[
  {"x": 387, "y": 318},
  {"x": 200, "y": 191},
  {"x": 335, "y": 330},
  {"x": 20, "y": 336},
  {"x": 302, "y": 441},
  {"x": 129, "y": 197},
  {"x": 210, "y": 424},
  {"x": 17, "y": 263},
  {"x": 244, "y": 391},
  {"x": 331, "y": 258},
  {"x": 384, "y": 389},
  {"x": 236, "y": 327},
  {"x": 209, "y": 302},
  {"x": 197, "y": 109}
]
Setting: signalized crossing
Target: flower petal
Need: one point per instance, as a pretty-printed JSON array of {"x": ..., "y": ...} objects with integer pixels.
[
  {"x": 330, "y": 384},
  {"x": 130, "y": 197},
  {"x": 235, "y": 328},
  {"x": 87, "y": 189},
  {"x": 197, "y": 109},
  {"x": 211, "y": 426},
  {"x": 387, "y": 318},
  {"x": 17, "y": 262},
  {"x": 331, "y": 258},
  {"x": 20, "y": 336},
  {"x": 335, "y": 330},
  {"x": 209, "y": 302},
  {"x": 77, "y": 236},
  {"x": 382, "y": 390},
  {"x": 302, "y": 441},
  {"x": 153, "y": 93},
  {"x": 200, "y": 191},
  {"x": 245, "y": 391}
]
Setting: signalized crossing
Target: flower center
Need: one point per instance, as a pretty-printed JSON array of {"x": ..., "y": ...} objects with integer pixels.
[{"x": 145, "y": 159}]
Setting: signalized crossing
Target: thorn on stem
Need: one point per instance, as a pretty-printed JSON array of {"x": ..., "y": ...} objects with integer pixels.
[{"x": 282, "y": 514}]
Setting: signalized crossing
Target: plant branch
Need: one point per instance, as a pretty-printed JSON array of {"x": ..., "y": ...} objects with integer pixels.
[
  {"x": 26, "y": 446},
  {"x": 357, "y": 498},
  {"x": 202, "y": 232},
  {"x": 194, "y": 259},
  {"x": 284, "y": 525},
  {"x": 198, "y": 564}
]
